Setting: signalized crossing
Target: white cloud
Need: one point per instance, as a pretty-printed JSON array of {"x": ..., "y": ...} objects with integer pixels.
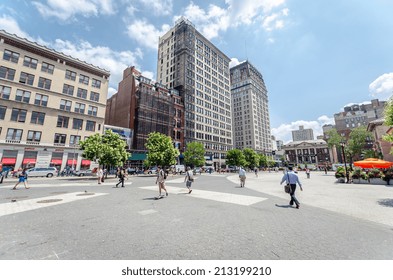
[
  {"x": 234, "y": 62},
  {"x": 111, "y": 91},
  {"x": 145, "y": 33},
  {"x": 284, "y": 131},
  {"x": 10, "y": 25},
  {"x": 65, "y": 10},
  {"x": 382, "y": 87},
  {"x": 162, "y": 7}
]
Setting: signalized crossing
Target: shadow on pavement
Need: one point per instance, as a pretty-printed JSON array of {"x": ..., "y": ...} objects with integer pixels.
[
  {"x": 386, "y": 202},
  {"x": 284, "y": 206}
]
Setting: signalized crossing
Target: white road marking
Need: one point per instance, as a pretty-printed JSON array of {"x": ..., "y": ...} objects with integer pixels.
[
  {"x": 56, "y": 184},
  {"x": 31, "y": 204},
  {"x": 147, "y": 212},
  {"x": 216, "y": 196}
]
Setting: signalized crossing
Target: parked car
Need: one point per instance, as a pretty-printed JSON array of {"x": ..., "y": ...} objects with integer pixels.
[
  {"x": 42, "y": 172},
  {"x": 197, "y": 170},
  {"x": 152, "y": 170},
  {"x": 80, "y": 173}
]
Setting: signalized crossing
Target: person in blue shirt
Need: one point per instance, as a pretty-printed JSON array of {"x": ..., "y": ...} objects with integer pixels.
[
  {"x": 242, "y": 176},
  {"x": 292, "y": 178},
  {"x": 22, "y": 179}
]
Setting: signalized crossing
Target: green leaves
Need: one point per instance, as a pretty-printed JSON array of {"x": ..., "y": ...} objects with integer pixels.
[
  {"x": 160, "y": 150},
  {"x": 235, "y": 157},
  {"x": 194, "y": 154}
]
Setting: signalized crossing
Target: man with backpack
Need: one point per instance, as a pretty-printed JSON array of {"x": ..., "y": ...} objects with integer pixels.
[
  {"x": 189, "y": 179},
  {"x": 120, "y": 174},
  {"x": 161, "y": 176}
]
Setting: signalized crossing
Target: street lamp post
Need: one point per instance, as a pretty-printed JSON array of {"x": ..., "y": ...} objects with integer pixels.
[
  {"x": 345, "y": 163},
  {"x": 73, "y": 154}
]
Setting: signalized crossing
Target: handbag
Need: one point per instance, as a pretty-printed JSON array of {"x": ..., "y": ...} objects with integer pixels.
[{"x": 287, "y": 187}]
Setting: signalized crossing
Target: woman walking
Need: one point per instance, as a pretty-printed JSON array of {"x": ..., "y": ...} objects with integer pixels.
[
  {"x": 189, "y": 179},
  {"x": 22, "y": 179}
]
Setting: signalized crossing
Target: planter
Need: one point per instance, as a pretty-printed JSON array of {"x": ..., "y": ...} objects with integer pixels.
[
  {"x": 377, "y": 181},
  {"x": 360, "y": 181},
  {"x": 340, "y": 180}
]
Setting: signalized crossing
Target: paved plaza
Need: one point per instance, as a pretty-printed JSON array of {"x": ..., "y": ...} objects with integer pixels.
[{"x": 75, "y": 218}]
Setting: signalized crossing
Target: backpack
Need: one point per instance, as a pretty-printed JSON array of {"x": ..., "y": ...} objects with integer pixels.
[
  {"x": 190, "y": 176},
  {"x": 163, "y": 174}
]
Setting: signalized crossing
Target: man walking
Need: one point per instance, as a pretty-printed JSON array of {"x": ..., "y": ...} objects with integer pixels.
[
  {"x": 121, "y": 174},
  {"x": 189, "y": 179},
  {"x": 242, "y": 176},
  {"x": 292, "y": 178}
]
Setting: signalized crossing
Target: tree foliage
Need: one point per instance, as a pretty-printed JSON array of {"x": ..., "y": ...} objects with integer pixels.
[
  {"x": 107, "y": 149},
  {"x": 334, "y": 139},
  {"x": 251, "y": 157},
  {"x": 160, "y": 150},
  {"x": 235, "y": 157},
  {"x": 194, "y": 154},
  {"x": 357, "y": 141},
  {"x": 388, "y": 113},
  {"x": 263, "y": 161}
]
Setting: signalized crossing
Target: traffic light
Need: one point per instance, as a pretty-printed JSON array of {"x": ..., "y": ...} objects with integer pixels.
[{"x": 273, "y": 153}]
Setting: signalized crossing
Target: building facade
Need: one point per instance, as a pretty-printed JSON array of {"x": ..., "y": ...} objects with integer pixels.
[
  {"x": 48, "y": 103},
  {"x": 309, "y": 152},
  {"x": 381, "y": 147},
  {"x": 302, "y": 134},
  {"x": 250, "y": 109},
  {"x": 191, "y": 64},
  {"x": 146, "y": 106}
]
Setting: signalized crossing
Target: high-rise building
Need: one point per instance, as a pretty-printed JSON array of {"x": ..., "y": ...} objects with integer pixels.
[
  {"x": 48, "y": 102},
  {"x": 302, "y": 134},
  {"x": 250, "y": 110},
  {"x": 190, "y": 63}
]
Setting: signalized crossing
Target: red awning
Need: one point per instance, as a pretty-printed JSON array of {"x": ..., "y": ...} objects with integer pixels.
[
  {"x": 10, "y": 161},
  {"x": 85, "y": 162},
  {"x": 56, "y": 161},
  {"x": 29, "y": 160},
  {"x": 69, "y": 162}
]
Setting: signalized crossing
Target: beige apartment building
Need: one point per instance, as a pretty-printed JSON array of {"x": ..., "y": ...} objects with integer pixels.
[
  {"x": 48, "y": 103},
  {"x": 191, "y": 64}
]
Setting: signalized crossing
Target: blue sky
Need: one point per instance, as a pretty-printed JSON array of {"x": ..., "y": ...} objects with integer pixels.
[{"x": 315, "y": 56}]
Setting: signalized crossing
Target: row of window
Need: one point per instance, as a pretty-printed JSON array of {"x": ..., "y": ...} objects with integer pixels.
[
  {"x": 48, "y": 68},
  {"x": 14, "y": 134}
]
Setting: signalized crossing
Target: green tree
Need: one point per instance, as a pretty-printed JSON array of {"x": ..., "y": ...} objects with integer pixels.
[
  {"x": 194, "y": 154},
  {"x": 333, "y": 140},
  {"x": 235, "y": 157},
  {"x": 251, "y": 157},
  {"x": 263, "y": 160},
  {"x": 160, "y": 150},
  {"x": 108, "y": 149},
  {"x": 357, "y": 141},
  {"x": 388, "y": 113}
]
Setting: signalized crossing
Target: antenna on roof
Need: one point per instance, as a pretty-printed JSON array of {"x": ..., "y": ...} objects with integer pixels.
[{"x": 245, "y": 47}]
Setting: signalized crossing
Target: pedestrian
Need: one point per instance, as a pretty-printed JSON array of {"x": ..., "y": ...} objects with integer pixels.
[
  {"x": 256, "y": 171},
  {"x": 120, "y": 175},
  {"x": 100, "y": 174},
  {"x": 292, "y": 178},
  {"x": 242, "y": 176},
  {"x": 189, "y": 179},
  {"x": 22, "y": 179},
  {"x": 308, "y": 173},
  {"x": 161, "y": 176}
]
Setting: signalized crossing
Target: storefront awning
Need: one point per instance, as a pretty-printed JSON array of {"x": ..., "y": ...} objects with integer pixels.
[
  {"x": 56, "y": 161},
  {"x": 29, "y": 161},
  {"x": 138, "y": 156},
  {"x": 9, "y": 161},
  {"x": 85, "y": 162},
  {"x": 69, "y": 162}
]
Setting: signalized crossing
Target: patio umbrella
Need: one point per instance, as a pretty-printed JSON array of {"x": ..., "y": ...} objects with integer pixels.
[{"x": 373, "y": 163}]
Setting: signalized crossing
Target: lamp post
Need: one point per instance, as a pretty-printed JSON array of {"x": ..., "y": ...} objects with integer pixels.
[
  {"x": 345, "y": 163},
  {"x": 73, "y": 154}
]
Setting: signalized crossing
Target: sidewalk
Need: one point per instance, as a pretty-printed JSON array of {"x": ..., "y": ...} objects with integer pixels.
[{"x": 364, "y": 201}]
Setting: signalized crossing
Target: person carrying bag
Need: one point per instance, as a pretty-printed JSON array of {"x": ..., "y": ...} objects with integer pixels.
[{"x": 189, "y": 179}]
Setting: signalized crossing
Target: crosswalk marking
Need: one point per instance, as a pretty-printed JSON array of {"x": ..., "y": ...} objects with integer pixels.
[
  {"x": 31, "y": 204},
  {"x": 210, "y": 195}
]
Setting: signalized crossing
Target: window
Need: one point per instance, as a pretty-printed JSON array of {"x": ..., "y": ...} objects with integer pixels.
[
  {"x": 77, "y": 123},
  {"x": 14, "y": 134},
  {"x": 65, "y": 105},
  {"x": 82, "y": 93},
  {"x": 22, "y": 96},
  {"x": 94, "y": 96},
  {"x": 95, "y": 83},
  {"x": 5, "y": 92},
  {"x": 68, "y": 89},
  {"x": 7, "y": 73},
  {"x": 37, "y": 118},
  {"x": 60, "y": 138},
  {"x": 34, "y": 136},
  {"x": 44, "y": 83},
  {"x": 3, "y": 109},
  {"x": 18, "y": 115},
  {"x": 48, "y": 68},
  {"x": 30, "y": 62},
  {"x": 41, "y": 100},
  {"x": 79, "y": 108},
  {"x": 70, "y": 75},
  {"x": 92, "y": 110},
  {"x": 83, "y": 79},
  {"x": 62, "y": 121},
  {"x": 11, "y": 56},
  {"x": 74, "y": 139},
  {"x": 26, "y": 78},
  {"x": 90, "y": 126}
]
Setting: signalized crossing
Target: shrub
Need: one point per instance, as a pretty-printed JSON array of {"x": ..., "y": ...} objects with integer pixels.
[
  {"x": 340, "y": 172},
  {"x": 375, "y": 173},
  {"x": 356, "y": 173}
]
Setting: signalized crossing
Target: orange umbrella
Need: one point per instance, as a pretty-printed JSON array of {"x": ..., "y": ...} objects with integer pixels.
[{"x": 373, "y": 163}]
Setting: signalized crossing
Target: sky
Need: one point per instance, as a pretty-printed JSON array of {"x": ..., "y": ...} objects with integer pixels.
[{"x": 316, "y": 57}]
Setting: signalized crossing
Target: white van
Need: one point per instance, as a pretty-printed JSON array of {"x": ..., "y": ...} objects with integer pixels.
[
  {"x": 179, "y": 168},
  {"x": 41, "y": 172}
]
